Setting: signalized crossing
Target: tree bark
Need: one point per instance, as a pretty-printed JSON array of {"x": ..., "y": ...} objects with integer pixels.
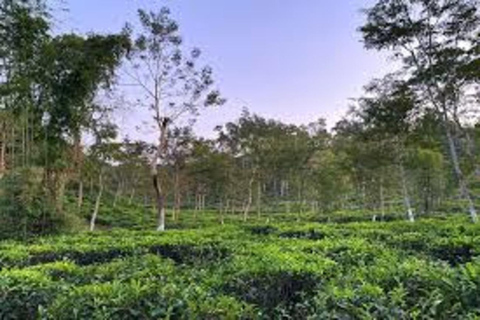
[
  {"x": 462, "y": 184},
  {"x": 97, "y": 203},
  {"x": 197, "y": 205},
  {"x": 159, "y": 193},
  {"x": 227, "y": 207},
  {"x": 3, "y": 152},
  {"x": 132, "y": 195},
  {"x": 177, "y": 205},
  {"x": 259, "y": 199},
  {"x": 222, "y": 219},
  {"x": 55, "y": 181},
  {"x": 160, "y": 202},
  {"x": 406, "y": 197},
  {"x": 12, "y": 147},
  {"x": 464, "y": 192},
  {"x": 117, "y": 195},
  {"x": 250, "y": 197},
  {"x": 382, "y": 199},
  {"x": 80, "y": 194}
]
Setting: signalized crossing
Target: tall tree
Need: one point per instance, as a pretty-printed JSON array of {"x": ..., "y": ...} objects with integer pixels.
[
  {"x": 73, "y": 71},
  {"x": 24, "y": 31},
  {"x": 180, "y": 149},
  {"x": 437, "y": 42},
  {"x": 388, "y": 113},
  {"x": 173, "y": 84},
  {"x": 102, "y": 153}
]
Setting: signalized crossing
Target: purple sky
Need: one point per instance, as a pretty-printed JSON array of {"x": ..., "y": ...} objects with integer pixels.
[{"x": 292, "y": 60}]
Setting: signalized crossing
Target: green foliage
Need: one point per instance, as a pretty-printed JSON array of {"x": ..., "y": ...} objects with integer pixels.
[
  {"x": 351, "y": 271},
  {"x": 23, "y": 291},
  {"x": 303, "y": 265},
  {"x": 24, "y": 212},
  {"x": 23, "y": 209}
]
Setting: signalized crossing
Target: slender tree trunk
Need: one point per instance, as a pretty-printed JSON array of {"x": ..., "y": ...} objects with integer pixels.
[
  {"x": 24, "y": 144},
  {"x": 97, "y": 203},
  {"x": 197, "y": 204},
  {"x": 3, "y": 152},
  {"x": 117, "y": 194},
  {"x": 146, "y": 213},
  {"x": 80, "y": 194},
  {"x": 259, "y": 199},
  {"x": 160, "y": 203},
  {"x": 464, "y": 192},
  {"x": 275, "y": 187},
  {"x": 250, "y": 196},
  {"x": 406, "y": 197},
  {"x": 364, "y": 196},
  {"x": 227, "y": 207},
  {"x": 159, "y": 193},
  {"x": 132, "y": 195},
  {"x": 13, "y": 148},
  {"x": 78, "y": 165},
  {"x": 427, "y": 195},
  {"x": 222, "y": 219},
  {"x": 176, "y": 208},
  {"x": 462, "y": 184},
  {"x": 382, "y": 199},
  {"x": 55, "y": 181},
  {"x": 90, "y": 187}
]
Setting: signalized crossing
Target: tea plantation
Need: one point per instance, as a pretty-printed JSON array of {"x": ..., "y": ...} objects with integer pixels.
[{"x": 429, "y": 269}]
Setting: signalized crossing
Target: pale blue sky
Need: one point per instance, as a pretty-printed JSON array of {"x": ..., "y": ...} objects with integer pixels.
[{"x": 293, "y": 60}]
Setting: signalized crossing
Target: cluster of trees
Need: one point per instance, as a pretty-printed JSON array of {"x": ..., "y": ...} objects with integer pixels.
[
  {"x": 55, "y": 89},
  {"x": 412, "y": 138}
]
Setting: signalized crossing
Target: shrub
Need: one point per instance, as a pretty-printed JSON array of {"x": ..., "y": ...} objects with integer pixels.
[
  {"x": 24, "y": 210},
  {"x": 23, "y": 292}
]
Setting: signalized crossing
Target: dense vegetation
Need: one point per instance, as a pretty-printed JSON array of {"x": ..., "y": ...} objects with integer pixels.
[
  {"x": 409, "y": 144},
  {"x": 386, "y": 270},
  {"x": 267, "y": 219}
]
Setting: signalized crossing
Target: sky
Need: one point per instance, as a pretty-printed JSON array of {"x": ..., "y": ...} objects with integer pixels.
[{"x": 291, "y": 60}]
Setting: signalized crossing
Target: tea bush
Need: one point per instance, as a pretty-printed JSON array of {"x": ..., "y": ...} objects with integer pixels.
[{"x": 360, "y": 270}]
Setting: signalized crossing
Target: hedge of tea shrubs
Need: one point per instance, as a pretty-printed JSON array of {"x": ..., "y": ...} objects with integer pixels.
[{"x": 383, "y": 270}]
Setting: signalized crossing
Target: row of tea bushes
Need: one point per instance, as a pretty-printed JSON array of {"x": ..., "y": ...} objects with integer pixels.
[{"x": 394, "y": 270}]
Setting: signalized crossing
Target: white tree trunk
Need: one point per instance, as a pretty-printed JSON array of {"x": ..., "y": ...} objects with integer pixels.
[
  {"x": 161, "y": 220},
  {"x": 117, "y": 195},
  {"x": 177, "y": 196},
  {"x": 250, "y": 196},
  {"x": 97, "y": 203},
  {"x": 159, "y": 192},
  {"x": 259, "y": 200},
  {"x": 406, "y": 197},
  {"x": 221, "y": 211},
  {"x": 464, "y": 192},
  {"x": 132, "y": 195},
  {"x": 80, "y": 195},
  {"x": 197, "y": 205},
  {"x": 382, "y": 199}
]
